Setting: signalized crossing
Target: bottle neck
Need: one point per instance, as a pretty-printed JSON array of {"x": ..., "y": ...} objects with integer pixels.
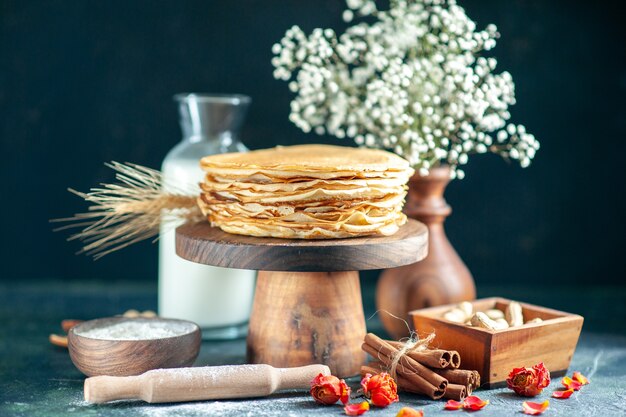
[
  {"x": 212, "y": 119},
  {"x": 225, "y": 139}
]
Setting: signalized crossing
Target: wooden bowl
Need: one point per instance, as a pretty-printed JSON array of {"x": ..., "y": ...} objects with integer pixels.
[
  {"x": 494, "y": 353},
  {"x": 170, "y": 344}
]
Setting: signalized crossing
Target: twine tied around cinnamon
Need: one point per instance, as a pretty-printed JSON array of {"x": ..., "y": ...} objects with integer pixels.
[{"x": 413, "y": 344}]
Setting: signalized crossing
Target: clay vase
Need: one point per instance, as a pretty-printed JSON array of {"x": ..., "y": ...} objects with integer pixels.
[{"x": 442, "y": 277}]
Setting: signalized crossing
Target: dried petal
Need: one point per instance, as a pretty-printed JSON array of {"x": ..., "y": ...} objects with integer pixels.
[
  {"x": 543, "y": 375},
  {"x": 453, "y": 405},
  {"x": 474, "y": 403},
  {"x": 345, "y": 393},
  {"x": 563, "y": 394},
  {"x": 580, "y": 378},
  {"x": 534, "y": 409},
  {"x": 569, "y": 383},
  {"x": 409, "y": 412},
  {"x": 356, "y": 409}
]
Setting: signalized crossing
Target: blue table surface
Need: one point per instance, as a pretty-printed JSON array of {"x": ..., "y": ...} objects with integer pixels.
[{"x": 37, "y": 379}]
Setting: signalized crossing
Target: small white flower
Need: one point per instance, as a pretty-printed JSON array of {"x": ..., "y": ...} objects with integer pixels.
[{"x": 511, "y": 129}]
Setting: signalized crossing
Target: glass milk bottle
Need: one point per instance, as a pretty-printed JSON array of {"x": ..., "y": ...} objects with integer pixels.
[{"x": 217, "y": 299}]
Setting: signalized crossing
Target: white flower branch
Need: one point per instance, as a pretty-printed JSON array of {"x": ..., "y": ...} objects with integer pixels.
[{"x": 412, "y": 81}]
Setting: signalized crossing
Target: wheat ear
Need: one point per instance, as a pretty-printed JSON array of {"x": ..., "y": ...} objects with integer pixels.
[{"x": 132, "y": 210}]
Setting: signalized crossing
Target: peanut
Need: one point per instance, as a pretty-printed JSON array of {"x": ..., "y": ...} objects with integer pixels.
[
  {"x": 131, "y": 313},
  {"x": 480, "y": 319},
  {"x": 134, "y": 314},
  {"x": 456, "y": 315},
  {"x": 502, "y": 323},
  {"x": 494, "y": 314},
  {"x": 467, "y": 308},
  {"x": 514, "y": 314}
]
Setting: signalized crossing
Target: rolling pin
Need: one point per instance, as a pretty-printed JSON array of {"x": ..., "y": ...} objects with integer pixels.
[{"x": 201, "y": 383}]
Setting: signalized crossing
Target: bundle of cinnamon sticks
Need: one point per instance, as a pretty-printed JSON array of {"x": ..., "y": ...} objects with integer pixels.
[{"x": 430, "y": 372}]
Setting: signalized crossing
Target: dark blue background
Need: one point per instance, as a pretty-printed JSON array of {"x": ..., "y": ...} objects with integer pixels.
[{"x": 84, "y": 82}]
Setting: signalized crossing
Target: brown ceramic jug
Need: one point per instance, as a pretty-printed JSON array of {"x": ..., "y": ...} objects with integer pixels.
[{"x": 442, "y": 277}]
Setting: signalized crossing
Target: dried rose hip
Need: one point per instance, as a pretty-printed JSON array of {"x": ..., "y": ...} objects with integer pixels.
[
  {"x": 529, "y": 382},
  {"x": 381, "y": 389},
  {"x": 328, "y": 389}
]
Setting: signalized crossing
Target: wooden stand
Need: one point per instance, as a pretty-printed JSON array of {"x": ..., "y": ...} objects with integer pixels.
[{"x": 307, "y": 306}]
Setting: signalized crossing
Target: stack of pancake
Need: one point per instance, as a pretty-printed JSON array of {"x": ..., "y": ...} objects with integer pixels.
[{"x": 305, "y": 192}]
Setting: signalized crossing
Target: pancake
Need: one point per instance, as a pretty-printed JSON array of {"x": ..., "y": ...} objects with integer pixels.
[
  {"x": 308, "y": 158},
  {"x": 305, "y": 192}
]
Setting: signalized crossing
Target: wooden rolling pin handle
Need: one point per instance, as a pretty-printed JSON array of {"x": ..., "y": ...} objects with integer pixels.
[
  {"x": 300, "y": 377},
  {"x": 197, "y": 384},
  {"x": 102, "y": 389}
]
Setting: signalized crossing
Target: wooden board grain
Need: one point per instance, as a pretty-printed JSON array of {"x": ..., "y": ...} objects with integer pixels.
[{"x": 208, "y": 245}]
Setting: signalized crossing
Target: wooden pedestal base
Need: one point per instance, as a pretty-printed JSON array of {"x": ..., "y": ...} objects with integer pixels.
[
  {"x": 317, "y": 317},
  {"x": 311, "y": 312}
]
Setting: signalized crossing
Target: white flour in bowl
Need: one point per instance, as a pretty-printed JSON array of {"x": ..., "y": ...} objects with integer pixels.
[{"x": 148, "y": 329}]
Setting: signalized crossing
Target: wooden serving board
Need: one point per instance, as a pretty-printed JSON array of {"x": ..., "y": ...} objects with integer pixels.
[{"x": 208, "y": 245}]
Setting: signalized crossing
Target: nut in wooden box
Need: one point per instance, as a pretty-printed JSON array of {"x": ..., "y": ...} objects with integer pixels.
[{"x": 494, "y": 353}]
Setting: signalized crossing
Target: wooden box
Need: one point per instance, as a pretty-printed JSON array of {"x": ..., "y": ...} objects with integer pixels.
[{"x": 494, "y": 353}]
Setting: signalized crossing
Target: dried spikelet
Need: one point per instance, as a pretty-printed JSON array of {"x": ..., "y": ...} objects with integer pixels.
[{"x": 132, "y": 210}]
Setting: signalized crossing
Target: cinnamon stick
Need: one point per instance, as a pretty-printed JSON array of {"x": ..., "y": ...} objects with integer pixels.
[
  {"x": 57, "y": 340},
  {"x": 433, "y": 358},
  {"x": 404, "y": 384},
  {"x": 455, "y": 392},
  {"x": 415, "y": 382},
  {"x": 469, "y": 389},
  {"x": 67, "y": 324},
  {"x": 455, "y": 360},
  {"x": 410, "y": 368},
  {"x": 458, "y": 376},
  {"x": 476, "y": 380}
]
